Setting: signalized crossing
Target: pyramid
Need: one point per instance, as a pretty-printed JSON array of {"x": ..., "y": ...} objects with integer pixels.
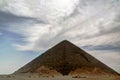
[{"x": 65, "y": 57}]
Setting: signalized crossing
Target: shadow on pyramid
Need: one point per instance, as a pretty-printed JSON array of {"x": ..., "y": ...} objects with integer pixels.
[{"x": 65, "y": 57}]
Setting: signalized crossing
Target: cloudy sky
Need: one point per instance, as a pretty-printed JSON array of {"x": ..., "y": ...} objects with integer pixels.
[{"x": 28, "y": 28}]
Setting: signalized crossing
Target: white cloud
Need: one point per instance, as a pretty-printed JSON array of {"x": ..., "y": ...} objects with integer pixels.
[
  {"x": 82, "y": 22},
  {"x": 37, "y": 35},
  {"x": 18, "y": 7},
  {"x": 40, "y": 8}
]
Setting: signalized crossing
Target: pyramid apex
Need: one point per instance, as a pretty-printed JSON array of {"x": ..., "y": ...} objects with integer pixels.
[{"x": 66, "y": 41}]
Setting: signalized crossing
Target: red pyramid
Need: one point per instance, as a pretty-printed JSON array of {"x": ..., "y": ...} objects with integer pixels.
[{"x": 65, "y": 57}]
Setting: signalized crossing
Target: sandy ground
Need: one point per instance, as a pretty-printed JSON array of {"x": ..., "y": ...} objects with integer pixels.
[{"x": 45, "y": 77}]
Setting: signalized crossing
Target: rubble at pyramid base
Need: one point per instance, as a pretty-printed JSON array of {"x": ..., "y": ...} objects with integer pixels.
[{"x": 78, "y": 71}]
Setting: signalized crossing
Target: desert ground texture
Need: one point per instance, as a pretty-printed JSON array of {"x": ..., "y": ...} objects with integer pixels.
[{"x": 60, "y": 77}]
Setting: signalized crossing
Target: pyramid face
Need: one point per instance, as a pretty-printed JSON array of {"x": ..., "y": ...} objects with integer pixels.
[{"x": 64, "y": 57}]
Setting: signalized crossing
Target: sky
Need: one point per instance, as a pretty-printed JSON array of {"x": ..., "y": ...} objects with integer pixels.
[{"x": 28, "y": 28}]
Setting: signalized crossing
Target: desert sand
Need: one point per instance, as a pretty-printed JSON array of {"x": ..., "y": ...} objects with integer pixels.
[{"x": 46, "y": 77}]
